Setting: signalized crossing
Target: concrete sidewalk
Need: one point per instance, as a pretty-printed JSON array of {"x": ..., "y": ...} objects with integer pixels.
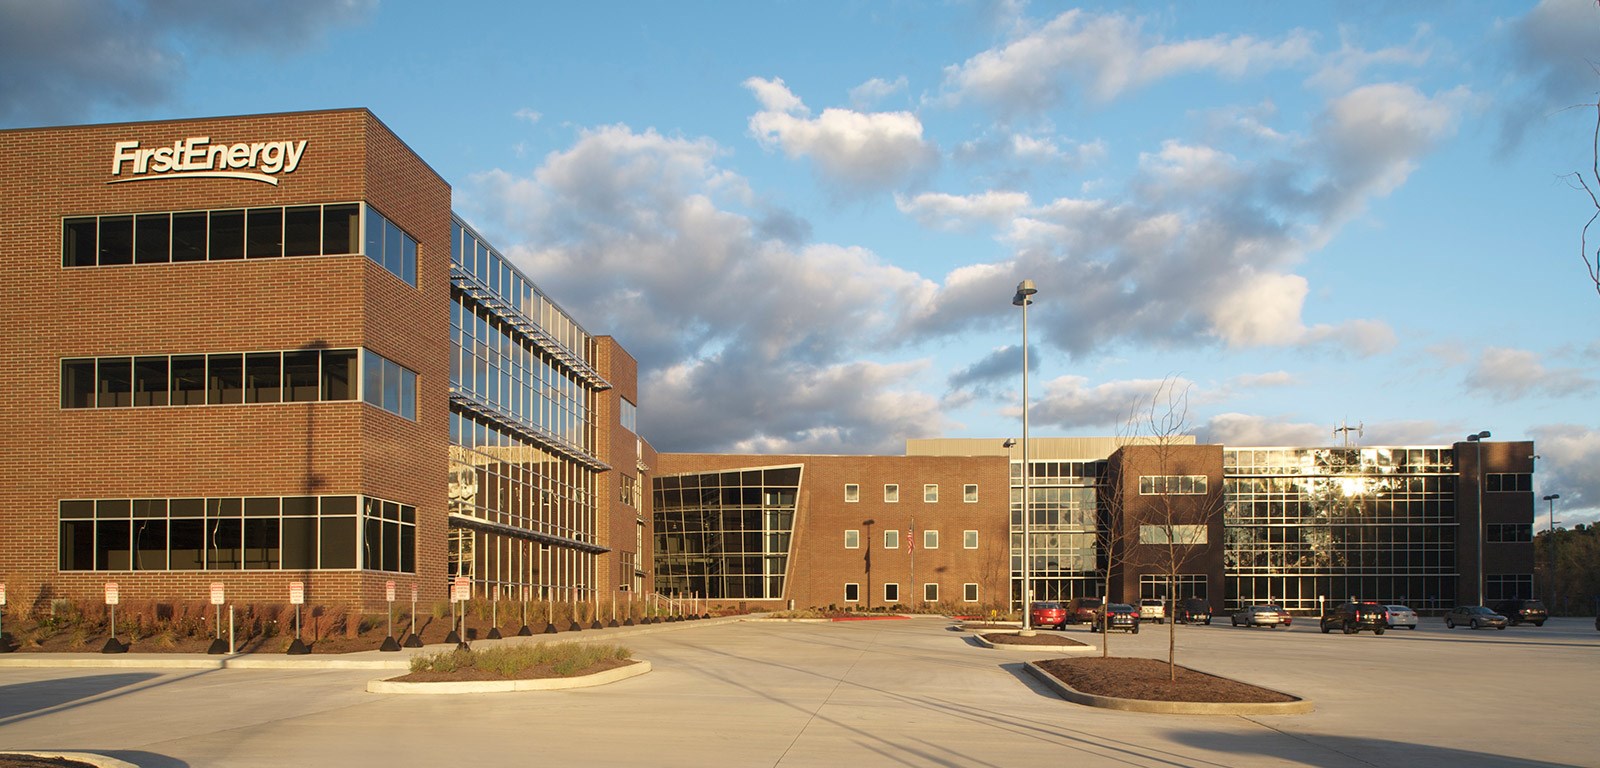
[{"x": 888, "y": 693}]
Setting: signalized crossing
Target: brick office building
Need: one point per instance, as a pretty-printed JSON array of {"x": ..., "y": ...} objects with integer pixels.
[
  {"x": 258, "y": 350},
  {"x": 1432, "y": 526}
]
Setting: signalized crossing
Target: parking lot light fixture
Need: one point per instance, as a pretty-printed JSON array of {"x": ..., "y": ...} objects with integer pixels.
[{"x": 1024, "y": 297}]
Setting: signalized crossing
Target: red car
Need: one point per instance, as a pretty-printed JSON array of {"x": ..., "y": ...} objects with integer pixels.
[{"x": 1048, "y": 614}]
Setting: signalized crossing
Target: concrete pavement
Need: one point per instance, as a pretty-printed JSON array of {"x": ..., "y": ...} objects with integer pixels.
[{"x": 891, "y": 693}]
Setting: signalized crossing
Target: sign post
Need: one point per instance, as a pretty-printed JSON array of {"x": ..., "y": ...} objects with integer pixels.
[
  {"x": 389, "y": 643},
  {"x": 112, "y": 598},
  {"x": 217, "y": 599},
  {"x": 3, "y": 646},
  {"x": 412, "y": 639},
  {"x": 297, "y": 598},
  {"x": 460, "y": 592}
]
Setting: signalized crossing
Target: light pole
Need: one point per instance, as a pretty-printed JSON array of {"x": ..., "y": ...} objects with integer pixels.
[
  {"x": 1477, "y": 438},
  {"x": 1024, "y": 297},
  {"x": 1550, "y": 550}
]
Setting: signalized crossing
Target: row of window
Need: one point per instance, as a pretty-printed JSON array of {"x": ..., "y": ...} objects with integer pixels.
[
  {"x": 1172, "y": 485},
  {"x": 237, "y": 533},
  {"x": 891, "y": 593},
  {"x": 216, "y": 379},
  {"x": 1508, "y": 482},
  {"x": 1509, "y": 533},
  {"x": 231, "y": 378},
  {"x": 930, "y": 493},
  {"x": 225, "y": 235},
  {"x": 490, "y": 269},
  {"x": 1174, "y": 534},
  {"x": 891, "y": 539},
  {"x": 160, "y": 238}
]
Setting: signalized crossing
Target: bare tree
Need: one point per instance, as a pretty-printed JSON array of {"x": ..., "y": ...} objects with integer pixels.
[
  {"x": 1166, "y": 530},
  {"x": 1591, "y": 263}
]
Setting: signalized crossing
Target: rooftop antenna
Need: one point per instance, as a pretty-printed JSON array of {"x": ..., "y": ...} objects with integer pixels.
[{"x": 1344, "y": 427}]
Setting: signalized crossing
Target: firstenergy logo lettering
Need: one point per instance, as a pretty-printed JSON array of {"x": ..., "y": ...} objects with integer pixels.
[{"x": 198, "y": 157}]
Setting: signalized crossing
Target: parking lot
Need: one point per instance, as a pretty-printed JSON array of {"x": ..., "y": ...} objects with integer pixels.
[{"x": 891, "y": 693}]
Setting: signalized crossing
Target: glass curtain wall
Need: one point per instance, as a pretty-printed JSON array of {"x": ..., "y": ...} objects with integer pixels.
[
  {"x": 1062, "y": 529},
  {"x": 725, "y": 535},
  {"x": 1309, "y": 527},
  {"x": 523, "y": 469}
]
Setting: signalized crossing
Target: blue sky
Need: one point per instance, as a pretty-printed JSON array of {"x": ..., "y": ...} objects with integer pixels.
[{"x": 806, "y": 219}]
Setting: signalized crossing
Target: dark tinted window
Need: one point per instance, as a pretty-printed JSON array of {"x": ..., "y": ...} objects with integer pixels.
[
  {"x": 264, "y": 235},
  {"x": 227, "y": 235},
  {"x": 263, "y": 372},
  {"x": 116, "y": 240},
  {"x": 302, "y": 231},
  {"x": 340, "y": 228},
  {"x": 79, "y": 243},
  {"x": 152, "y": 238},
  {"x": 115, "y": 382},
  {"x": 224, "y": 379},
  {"x": 189, "y": 380},
  {"x": 189, "y": 236},
  {"x": 300, "y": 376},
  {"x": 149, "y": 381},
  {"x": 338, "y": 371},
  {"x": 77, "y": 383}
]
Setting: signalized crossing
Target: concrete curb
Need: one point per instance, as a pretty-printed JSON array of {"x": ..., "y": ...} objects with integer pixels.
[
  {"x": 1034, "y": 648},
  {"x": 1297, "y": 707},
  {"x": 83, "y": 757},
  {"x": 635, "y": 669}
]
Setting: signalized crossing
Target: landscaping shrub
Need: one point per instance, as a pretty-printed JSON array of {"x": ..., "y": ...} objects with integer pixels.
[{"x": 511, "y": 661}]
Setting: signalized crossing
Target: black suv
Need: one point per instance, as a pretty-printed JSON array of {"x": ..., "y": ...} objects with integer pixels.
[
  {"x": 1523, "y": 611},
  {"x": 1191, "y": 611},
  {"x": 1354, "y": 617}
]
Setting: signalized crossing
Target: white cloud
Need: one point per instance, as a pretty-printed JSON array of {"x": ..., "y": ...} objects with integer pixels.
[
  {"x": 530, "y": 115},
  {"x": 742, "y": 338},
  {"x": 1243, "y": 430},
  {"x": 1351, "y": 64},
  {"x": 956, "y": 212},
  {"x": 1105, "y": 55},
  {"x": 1069, "y": 402},
  {"x": 868, "y": 94},
  {"x": 856, "y": 150},
  {"x": 1513, "y": 374},
  {"x": 1569, "y": 465}
]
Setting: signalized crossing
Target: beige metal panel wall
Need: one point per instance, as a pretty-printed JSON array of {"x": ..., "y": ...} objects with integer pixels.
[{"x": 1039, "y": 448}]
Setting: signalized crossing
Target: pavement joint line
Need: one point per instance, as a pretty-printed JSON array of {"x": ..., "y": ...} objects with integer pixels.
[
  {"x": 837, "y": 684},
  {"x": 1306, "y": 741}
]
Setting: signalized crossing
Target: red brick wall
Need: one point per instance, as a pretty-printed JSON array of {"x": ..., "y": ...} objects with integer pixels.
[
  {"x": 820, "y": 565},
  {"x": 233, "y": 306}
]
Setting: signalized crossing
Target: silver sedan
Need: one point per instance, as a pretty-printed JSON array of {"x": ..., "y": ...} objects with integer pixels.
[
  {"x": 1401, "y": 616},
  {"x": 1262, "y": 616}
]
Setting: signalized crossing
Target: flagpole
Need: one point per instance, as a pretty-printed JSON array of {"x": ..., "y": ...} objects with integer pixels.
[{"x": 911, "y": 541}]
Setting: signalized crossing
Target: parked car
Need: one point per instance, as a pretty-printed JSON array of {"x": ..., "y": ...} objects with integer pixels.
[
  {"x": 1520, "y": 611},
  {"x": 1119, "y": 616},
  {"x": 1354, "y": 617},
  {"x": 1262, "y": 616},
  {"x": 1152, "y": 609},
  {"x": 1048, "y": 614},
  {"x": 1082, "y": 610},
  {"x": 1475, "y": 616},
  {"x": 1191, "y": 611},
  {"x": 1401, "y": 616}
]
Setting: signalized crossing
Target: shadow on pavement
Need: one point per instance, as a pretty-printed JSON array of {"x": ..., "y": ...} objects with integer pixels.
[
  {"x": 144, "y": 759},
  {"x": 22, "y": 698},
  {"x": 1329, "y": 751}
]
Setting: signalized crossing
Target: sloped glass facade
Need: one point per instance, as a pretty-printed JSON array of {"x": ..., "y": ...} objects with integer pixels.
[{"x": 725, "y": 535}]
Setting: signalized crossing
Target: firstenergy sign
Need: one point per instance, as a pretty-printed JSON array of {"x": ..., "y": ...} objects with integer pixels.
[{"x": 196, "y": 156}]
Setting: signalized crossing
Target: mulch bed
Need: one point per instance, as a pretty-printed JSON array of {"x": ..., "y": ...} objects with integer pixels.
[
  {"x": 1012, "y": 638},
  {"x": 473, "y": 674},
  {"x": 1132, "y": 678},
  {"x": 32, "y": 761}
]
